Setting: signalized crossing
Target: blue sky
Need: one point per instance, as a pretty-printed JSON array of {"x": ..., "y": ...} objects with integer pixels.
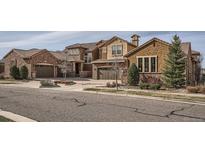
[{"x": 52, "y": 40}]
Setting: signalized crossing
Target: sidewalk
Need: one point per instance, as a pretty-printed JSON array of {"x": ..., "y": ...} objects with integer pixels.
[{"x": 15, "y": 117}]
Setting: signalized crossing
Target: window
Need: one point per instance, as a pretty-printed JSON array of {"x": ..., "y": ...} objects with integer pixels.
[
  {"x": 146, "y": 64},
  {"x": 153, "y": 64},
  {"x": 116, "y": 50},
  {"x": 73, "y": 52},
  {"x": 140, "y": 64},
  {"x": 88, "y": 58}
]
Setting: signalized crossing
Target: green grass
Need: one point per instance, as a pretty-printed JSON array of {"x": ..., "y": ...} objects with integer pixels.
[
  {"x": 151, "y": 94},
  {"x": 3, "y": 119}
]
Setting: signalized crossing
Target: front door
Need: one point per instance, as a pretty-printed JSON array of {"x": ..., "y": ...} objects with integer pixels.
[{"x": 77, "y": 70}]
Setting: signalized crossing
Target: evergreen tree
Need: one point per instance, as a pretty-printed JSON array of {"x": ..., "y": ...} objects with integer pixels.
[
  {"x": 133, "y": 75},
  {"x": 174, "y": 71},
  {"x": 24, "y": 72},
  {"x": 14, "y": 72}
]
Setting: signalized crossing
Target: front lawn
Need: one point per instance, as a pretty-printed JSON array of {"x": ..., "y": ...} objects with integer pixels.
[
  {"x": 167, "y": 96},
  {"x": 3, "y": 119}
]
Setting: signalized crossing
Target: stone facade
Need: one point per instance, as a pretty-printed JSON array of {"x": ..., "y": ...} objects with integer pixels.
[
  {"x": 43, "y": 57},
  {"x": 15, "y": 59}
]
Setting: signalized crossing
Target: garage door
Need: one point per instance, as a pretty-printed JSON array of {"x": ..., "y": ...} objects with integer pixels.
[
  {"x": 106, "y": 74},
  {"x": 44, "y": 71}
]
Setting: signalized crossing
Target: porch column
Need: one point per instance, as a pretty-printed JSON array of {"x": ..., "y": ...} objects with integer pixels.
[
  {"x": 55, "y": 71},
  {"x": 81, "y": 66}
]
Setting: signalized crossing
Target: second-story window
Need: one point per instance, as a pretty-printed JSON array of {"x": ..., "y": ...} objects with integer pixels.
[
  {"x": 88, "y": 58},
  {"x": 117, "y": 50}
]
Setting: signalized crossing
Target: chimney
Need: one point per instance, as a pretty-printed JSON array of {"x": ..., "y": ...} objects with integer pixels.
[{"x": 135, "y": 39}]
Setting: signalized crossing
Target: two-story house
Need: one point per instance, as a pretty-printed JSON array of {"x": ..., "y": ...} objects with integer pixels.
[
  {"x": 109, "y": 57},
  {"x": 79, "y": 57},
  {"x": 97, "y": 59}
]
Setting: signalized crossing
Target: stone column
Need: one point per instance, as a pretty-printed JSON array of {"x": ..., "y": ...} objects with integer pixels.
[{"x": 55, "y": 71}]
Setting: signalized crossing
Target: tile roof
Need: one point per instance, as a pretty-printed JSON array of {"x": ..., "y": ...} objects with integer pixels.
[
  {"x": 107, "y": 42},
  {"x": 59, "y": 55},
  {"x": 185, "y": 46},
  {"x": 144, "y": 44},
  {"x": 87, "y": 46},
  {"x": 27, "y": 53}
]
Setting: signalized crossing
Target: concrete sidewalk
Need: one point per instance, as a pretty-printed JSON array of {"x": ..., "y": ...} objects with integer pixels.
[{"x": 15, "y": 117}]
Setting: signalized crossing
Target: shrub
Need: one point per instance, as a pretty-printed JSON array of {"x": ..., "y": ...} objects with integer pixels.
[
  {"x": 155, "y": 86},
  {"x": 108, "y": 84},
  {"x": 144, "y": 85},
  {"x": 133, "y": 75},
  {"x": 111, "y": 85},
  {"x": 193, "y": 89},
  {"x": 150, "y": 79},
  {"x": 14, "y": 72},
  {"x": 114, "y": 84},
  {"x": 48, "y": 83},
  {"x": 24, "y": 72},
  {"x": 2, "y": 77}
]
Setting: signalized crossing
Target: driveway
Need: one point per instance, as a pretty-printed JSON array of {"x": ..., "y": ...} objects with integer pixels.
[
  {"x": 51, "y": 105},
  {"x": 81, "y": 83}
]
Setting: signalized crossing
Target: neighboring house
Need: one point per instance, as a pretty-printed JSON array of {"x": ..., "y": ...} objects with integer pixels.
[
  {"x": 79, "y": 57},
  {"x": 1, "y": 67},
  {"x": 202, "y": 75},
  {"x": 40, "y": 62},
  {"x": 109, "y": 55},
  {"x": 150, "y": 58}
]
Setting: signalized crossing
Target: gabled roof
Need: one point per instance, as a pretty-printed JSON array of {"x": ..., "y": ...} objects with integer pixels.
[
  {"x": 25, "y": 53},
  {"x": 185, "y": 46},
  {"x": 59, "y": 55},
  {"x": 145, "y": 44},
  {"x": 105, "y": 43},
  {"x": 94, "y": 45},
  {"x": 87, "y": 46}
]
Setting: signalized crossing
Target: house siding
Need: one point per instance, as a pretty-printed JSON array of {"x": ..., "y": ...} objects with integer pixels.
[
  {"x": 153, "y": 49},
  {"x": 105, "y": 53}
]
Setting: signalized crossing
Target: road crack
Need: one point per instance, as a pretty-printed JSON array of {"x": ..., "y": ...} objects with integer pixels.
[
  {"x": 174, "y": 112},
  {"x": 80, "y": 104}
]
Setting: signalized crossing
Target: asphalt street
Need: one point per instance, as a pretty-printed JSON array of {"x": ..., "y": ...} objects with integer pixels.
[{"x": 57, "y": 106}]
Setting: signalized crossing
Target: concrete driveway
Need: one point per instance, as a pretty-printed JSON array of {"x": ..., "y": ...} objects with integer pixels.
[{"x": 81, "y": 83}]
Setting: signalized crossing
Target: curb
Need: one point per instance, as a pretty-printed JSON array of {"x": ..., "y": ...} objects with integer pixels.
[
  {"x": 146, "y": 97},
  {"x": 15, "y": 117}
]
